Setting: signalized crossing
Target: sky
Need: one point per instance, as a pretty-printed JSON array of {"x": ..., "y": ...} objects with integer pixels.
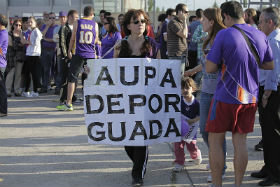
[{"x": 192, "y": 4}]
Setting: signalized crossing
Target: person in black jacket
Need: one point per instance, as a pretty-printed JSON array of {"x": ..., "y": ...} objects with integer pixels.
[{"x": 64, "y": 41}]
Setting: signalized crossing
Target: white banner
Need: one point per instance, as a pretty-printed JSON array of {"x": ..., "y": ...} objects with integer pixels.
[{"x": 133, "y": 101}]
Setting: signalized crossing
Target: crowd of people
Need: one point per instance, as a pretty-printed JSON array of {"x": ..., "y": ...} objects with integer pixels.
[{"x": 231, "y": 55}]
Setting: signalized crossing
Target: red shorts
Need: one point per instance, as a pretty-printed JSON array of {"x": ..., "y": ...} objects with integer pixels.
[{"x": 224, "y": 117}]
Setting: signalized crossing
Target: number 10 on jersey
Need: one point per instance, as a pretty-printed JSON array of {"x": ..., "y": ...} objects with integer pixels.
[{"x": 86, "y": 37}]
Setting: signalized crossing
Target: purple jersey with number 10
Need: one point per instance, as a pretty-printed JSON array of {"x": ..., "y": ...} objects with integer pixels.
[{"x": 85, "y": 38}]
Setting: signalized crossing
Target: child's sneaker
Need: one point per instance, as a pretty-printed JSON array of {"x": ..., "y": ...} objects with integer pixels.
[
  {"x": 178, "y": 168},
  {"x": 198, "y": 160},
  {"x": 65, "y": 107}
]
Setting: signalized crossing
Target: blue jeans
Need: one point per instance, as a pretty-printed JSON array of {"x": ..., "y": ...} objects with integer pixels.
[
  {"x": 205, "y": 102},
  {"x": 47, "y": 61}
]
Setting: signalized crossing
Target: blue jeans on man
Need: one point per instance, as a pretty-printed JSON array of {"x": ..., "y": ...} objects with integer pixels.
[{"x": 47, "y": 61}]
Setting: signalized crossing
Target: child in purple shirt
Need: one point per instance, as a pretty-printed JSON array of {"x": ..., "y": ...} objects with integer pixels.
[{"x": 190, "y": 113}]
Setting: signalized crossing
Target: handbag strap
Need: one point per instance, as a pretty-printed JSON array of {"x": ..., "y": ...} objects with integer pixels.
[{"x": 249, "y": 43}]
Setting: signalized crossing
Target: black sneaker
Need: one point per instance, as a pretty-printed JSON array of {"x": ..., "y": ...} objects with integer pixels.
[
  {"x": 137, "y": 182},
  {"x": 259, "y": 146}
]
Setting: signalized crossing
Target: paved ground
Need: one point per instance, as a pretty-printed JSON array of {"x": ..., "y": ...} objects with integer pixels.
[{"x": 40, "y": 146}]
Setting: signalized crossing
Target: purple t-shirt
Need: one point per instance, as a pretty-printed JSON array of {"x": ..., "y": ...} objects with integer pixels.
[
  {"x": 49, "y": 34},
  {"x": 190, "y": 110},
  {"x": 85, "y": 38},
  {"x": 108, "y": 42},
  {"x": 3, "y": 47},
  {"x": 238, "y": 79}
]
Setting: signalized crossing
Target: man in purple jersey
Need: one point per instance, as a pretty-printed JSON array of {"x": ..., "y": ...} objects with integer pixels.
[
  {"x": 235, "y": 101},
  {"x": 3, "y": 64},
  {"x": 85, "y": 33}
]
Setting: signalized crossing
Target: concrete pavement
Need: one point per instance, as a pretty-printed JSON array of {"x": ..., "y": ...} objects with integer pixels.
[{"x": 40, "y": 146}]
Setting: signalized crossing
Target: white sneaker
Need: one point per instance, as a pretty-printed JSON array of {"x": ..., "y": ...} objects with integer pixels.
[
  {"x": 34, "y": 94},
  {"x": 198, "y": 160},
  {"x": 178, "y": 168},
  {"x": 209, "y": 178},
  {"x": 26, "y": 94}
]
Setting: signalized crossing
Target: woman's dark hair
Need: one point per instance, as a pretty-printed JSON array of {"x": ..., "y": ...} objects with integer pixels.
[
  {"x": 233, "y": 9},
  {"x": 120, "y": 15},
  {"x": 3, "y": 20},
  {"x": 112, "y": 24},
  {"x": 16, "y": 21},
  {"x": 213, "y": 14},
  {"x": 162, "y": 17},
  {"x": 146, "y": 47},
  {"x": 134, "y": 14}
]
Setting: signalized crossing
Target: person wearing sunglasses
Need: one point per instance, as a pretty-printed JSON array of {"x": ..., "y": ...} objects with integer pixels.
[
  {"x": 110, "y": 39},
  {"x": 177, "y": 33},
  {"x": 15, "y": 60},
  {"x": 137, "y": 44},
  {"x": 48, "y": 52}
]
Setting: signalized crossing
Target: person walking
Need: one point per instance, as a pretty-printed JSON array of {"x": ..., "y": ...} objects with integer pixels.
[
  {"x": 234, "y": 103},
  {"x": 137, "y": 44}
]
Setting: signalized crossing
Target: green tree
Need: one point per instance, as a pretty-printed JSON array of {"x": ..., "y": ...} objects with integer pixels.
[
  {"x": 245, "y": 3},
  {"x": 150, "y": 5},
  {"x": 157, "y": 9}
]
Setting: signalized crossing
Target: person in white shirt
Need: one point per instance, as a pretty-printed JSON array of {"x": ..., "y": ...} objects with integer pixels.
[{"x": 33, "y": 53}]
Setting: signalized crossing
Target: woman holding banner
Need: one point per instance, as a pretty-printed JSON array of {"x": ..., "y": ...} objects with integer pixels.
[
  {"x": 137, "y": 44},
  {"x": 211, "y": 23}
]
